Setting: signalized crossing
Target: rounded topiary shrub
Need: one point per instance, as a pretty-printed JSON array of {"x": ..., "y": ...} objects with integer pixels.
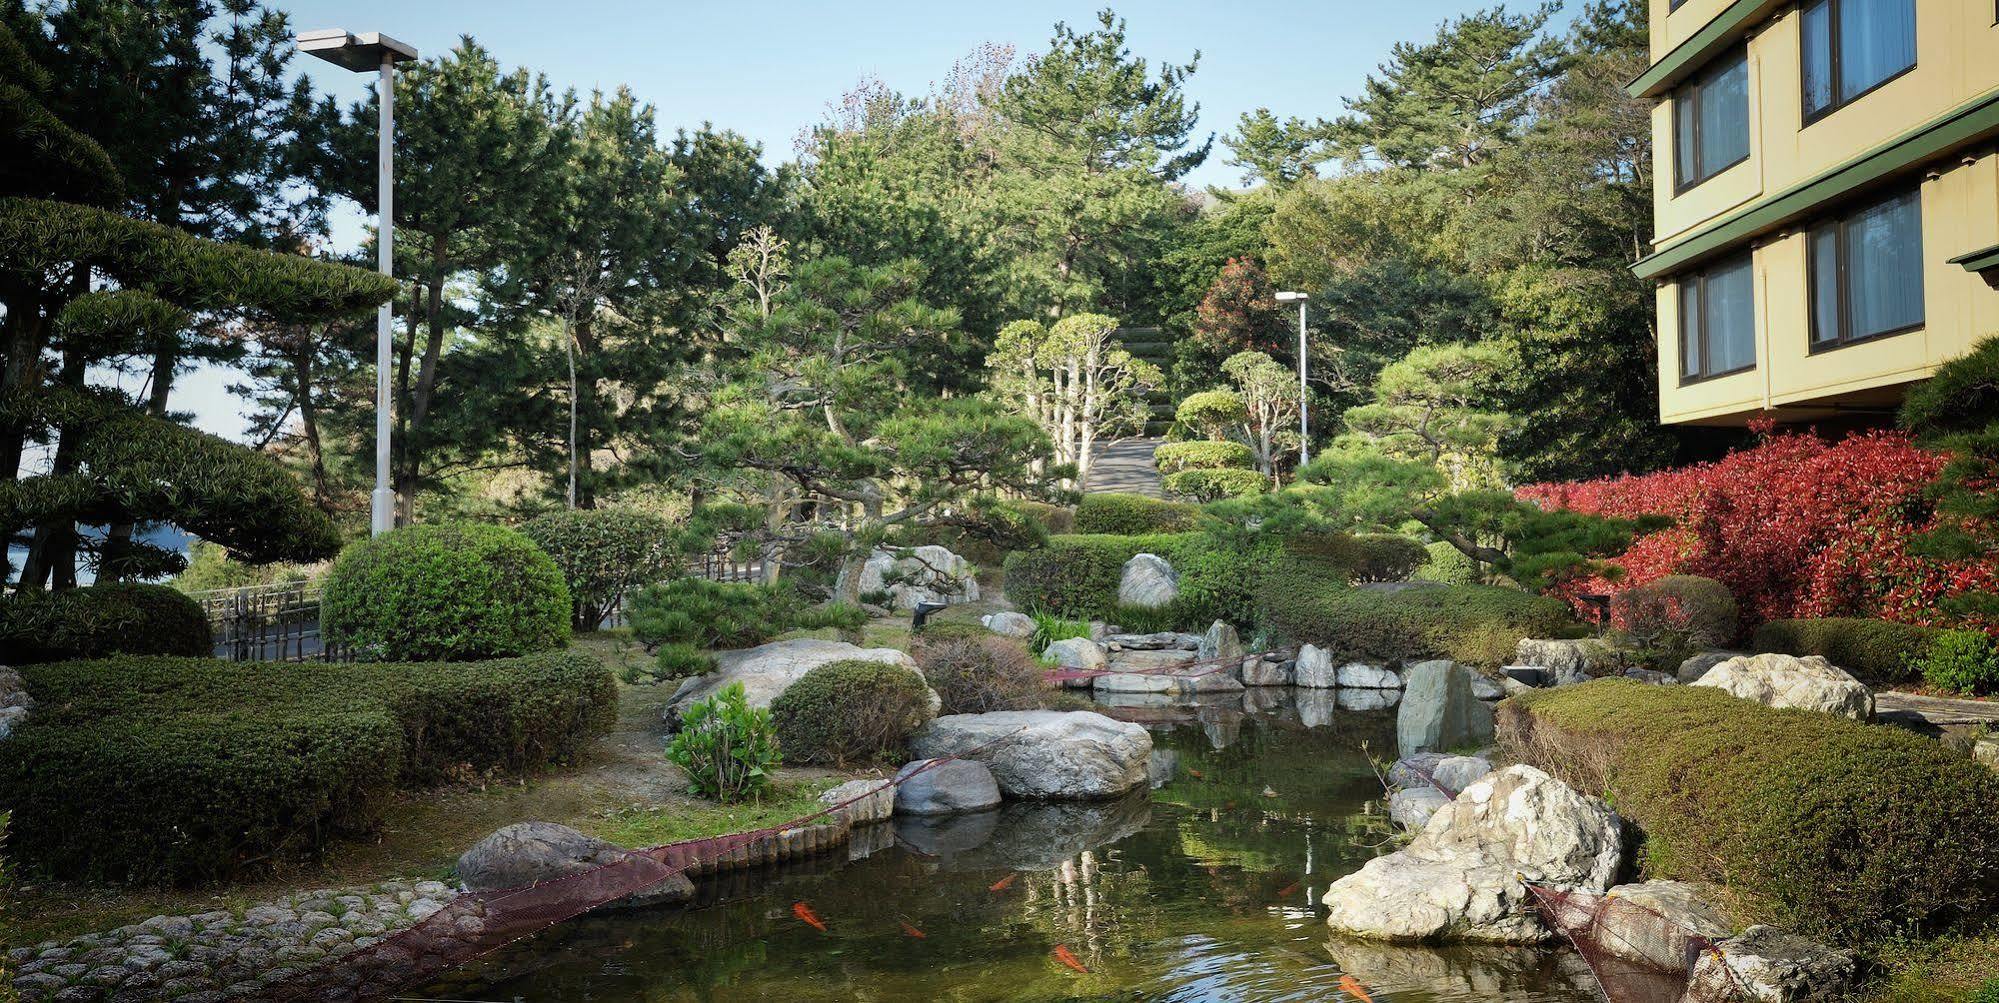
[
  {"x": 445, "y": 592},
  {"x": 604, "y": 554},
  {"x": 1215, "y": 485},
  {"x": 1173, "y": 457},
  {"x": 99, "y": 620},
  {"x": 1679, "y": 610},
  {"x": 1117, "y": 514},
  {"x": 850, "y": 713},
  {"x": 1447, "y": 565}
]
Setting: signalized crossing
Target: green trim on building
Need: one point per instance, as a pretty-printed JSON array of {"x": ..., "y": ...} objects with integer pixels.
[
  {"x": 1984, "y": 259},
  {"x": 1692, "y": 54},
  {"x": 1961, "y": 127}
]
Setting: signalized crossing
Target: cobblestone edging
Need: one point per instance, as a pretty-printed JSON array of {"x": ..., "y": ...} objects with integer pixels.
[{"x": 222, "y": 955}]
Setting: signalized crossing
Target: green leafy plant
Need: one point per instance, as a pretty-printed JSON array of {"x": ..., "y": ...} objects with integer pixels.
[
  {"x": 1049, "y": 628},
  {"x": 673, "y": 661},
  {"x": 1116, "y": 514},
  {"x": 99, "y": 620},
  {"x": 850, "y": 713},
  {"x": 604, "y": 554},
  {"x": 445, "y": 592},
  {"x": 726, "y": 747},
  {"x": 1874, "y": 650},
  {"x": 1214, "y": 485},
  {"x": 1962, "y": 661},
  {"x": 1173, "y": 457}
]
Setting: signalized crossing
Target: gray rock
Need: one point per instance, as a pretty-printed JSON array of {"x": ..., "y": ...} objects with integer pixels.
[
  {"x": 1148, "y": 660},
  {"x": 1364, "y": 700},
  {"x": 11, "y": 718},
  {"x": 1162, "y": 641},
  {"x": 1462, "y": 877},
  {"x": 1044, "y": 754},
  {"x": 1262, "y": 672},
  {"x": 1075, "y": 653},
  {"x": 1697, "y": 666},
  {"x": 1774, "y": 967},
  {"x": 1148, "y": 582},
  {"x": 917, "y": 574},
  {"x": 1569, "y": 661},
  {"x": 947, "y": 788},
  {"x": 1658, "y": 924},
  {"x": 1135, "y": 682},
  {"x": 1221, "y": 641},
  {"x": 1651, "y": 677},
  {"x": 1986, "y": 750},
  {"x": 1362, "y": 676},
  {"x": 767, "y": 670},
  {"x": 1413, "y": 771},
  {"x": 1317, "y": 706},
  {"x": 1315, "y": 668},
  {"x": 1457, "y": 773},
  {"x": 527, "y": 853},
  {"x": 1438, "y": 710},
  {"x": 1811, "y": 683},
  {"x": 1009, "y": 623},
  {"x": 1485, "y": 687},
  {"x": 1210, "y": 682},
  {"x": 864, "y": 801},
  {"x": 1412, "y": 808}
]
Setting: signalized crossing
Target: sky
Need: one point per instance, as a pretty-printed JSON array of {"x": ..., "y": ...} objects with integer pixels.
[{"x": 769, "y": 69}]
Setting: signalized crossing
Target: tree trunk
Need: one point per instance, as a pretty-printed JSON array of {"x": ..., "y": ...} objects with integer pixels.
[
  {"x": 308, "y": 422},
  {"x": 426, "y": 384}
]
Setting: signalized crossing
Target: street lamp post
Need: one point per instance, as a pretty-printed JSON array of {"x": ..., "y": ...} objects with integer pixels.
[
  {"x": 1304, "y": 394},
  {"x": 380, "y": 53}
]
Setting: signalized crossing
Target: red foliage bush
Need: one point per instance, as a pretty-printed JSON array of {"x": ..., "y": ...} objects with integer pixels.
[{"x": 1795, "y": 526}]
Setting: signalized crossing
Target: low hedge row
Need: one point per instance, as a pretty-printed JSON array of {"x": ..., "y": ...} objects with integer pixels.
[
  {"x": 1308, "y": 600},
  {"x": 1077, "y": 576},
  {"x": 1201, "y": 454},
  {"x": 99, "y": 620},
  {"x": 1874, "y": 650},
  {"x": 1850, "y": 832},
  {"x": 181, "y": 770},
  {"x": 1132, "y": 515}
]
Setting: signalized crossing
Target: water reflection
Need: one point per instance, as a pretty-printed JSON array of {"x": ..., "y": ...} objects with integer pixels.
[{"x": 1203, "y": 890}]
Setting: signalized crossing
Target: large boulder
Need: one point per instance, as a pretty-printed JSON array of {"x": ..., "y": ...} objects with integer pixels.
[
  {"x": 1412, "y": 808},
  {"x": 1362, "y": 676},
  {"x": 1148, "y": 582},
  {"x": 1009, "y": 623},
  {"x": 1315, "y": 668},
  {"x": 917, "y": 574},
  {"x": 1463, "y": 878},
  {"x": 1770, "y": 966},
  {"x": 1655, "y": 924},
  {"x": 1044, "y": 754},
  {"x": 528, "y": 853},
  {"x": 1266, "y": 672},
  {"x": 1439, "y": 709},
  {"x": 1209, "y": 681},
  {"x": 1075, "y": 653},
  {"x": 767, "y": 670},
  {"x": 1220, "y": 642},
  {"x": 1148, "y": 660},
  {"x": 1811, "y": 683},
  {"x": 1567, "y": 661},
  {"x": 946, "y": 788},
  {"x": 1698, "y": 665},
  {"x": 861, "y": 802}
]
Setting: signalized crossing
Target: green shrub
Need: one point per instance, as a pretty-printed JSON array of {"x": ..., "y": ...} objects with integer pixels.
[
  {"x": 1844, "y": 831},
  {"x": 705, "y": 614},
  {"x": 1215, "y": 485},
  {"x": 604, "y": 554},
  {"x": 726, "y": 747},
  {"x": 1305, "y": 601},
  {"x": 99, "y": 620},
  {"x": 1448, "y": 566},
  {"x": 445, "y": 592},
  {"x": 1678, "y": 612},
  {"x": 1173, "y": 457},
  {"x": 1879, "y": 651},
  {"x": 1053, "y": 518},
  {"x": 676, "y": 660},
  {"x": 1132, "y": 515},
  {"x": 1387, "y": 557},
  {"x": 974, "y": 675},
  {"x": 1962, "y": 661},
  {"x": 850, "y": 713},
  {"x": 197, "y": 769},
  {"x": 986, "y": 530},
  {"x": 1077, "y": 576},
  {"x": 209, "y": 566},
  {"x": 1212, "y": 413}
]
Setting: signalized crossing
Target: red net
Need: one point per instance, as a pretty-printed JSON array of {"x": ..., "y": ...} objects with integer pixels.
[{"x": 1638, "y": 954}]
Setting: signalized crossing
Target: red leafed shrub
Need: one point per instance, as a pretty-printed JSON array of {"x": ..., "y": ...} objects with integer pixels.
[{"x": 1795, "y": 526}]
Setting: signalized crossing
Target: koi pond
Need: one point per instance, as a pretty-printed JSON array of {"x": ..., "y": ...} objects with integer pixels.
[{"x": 1204, "y": 888}]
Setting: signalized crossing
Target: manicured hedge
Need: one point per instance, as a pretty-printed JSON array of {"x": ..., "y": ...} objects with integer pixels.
[
  {"x": 1214, "y": 485},
  {"x": 1387, "y": 557},
  {"x": 1132, "y": 515},
  {"x": 99, "y": 620},
  {"x": 445, "y": 591},
  {"x": 1200, "y": 454},
  {"x": 1874, "y": 650},
  {"x": 1447, "y": 565},
  {"x": 1077, "y": 577},
  {"x": 182, "y": 770},
  {"x": 1850, "y": 832},
  {"x": 1309, "y": 601},
  {"x": 850, "y": 713}
]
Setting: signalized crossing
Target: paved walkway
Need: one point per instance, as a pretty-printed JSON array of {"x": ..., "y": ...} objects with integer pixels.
[
  {"x": 1126, "y": 466},
  {"x": 1932, "y": 715}
]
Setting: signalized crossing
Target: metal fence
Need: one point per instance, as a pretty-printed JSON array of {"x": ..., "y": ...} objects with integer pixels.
[{"x": 280, "y": 623}]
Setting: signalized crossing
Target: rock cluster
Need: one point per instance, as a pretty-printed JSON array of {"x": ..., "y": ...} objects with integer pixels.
[
  {"x": 1567, "y": 661},
  {"x": 918, "y": 574},
  {"x": 948, "y": 788},
  {"x": 1044, "y": 754},
  {"x": 225, "y": 954}
]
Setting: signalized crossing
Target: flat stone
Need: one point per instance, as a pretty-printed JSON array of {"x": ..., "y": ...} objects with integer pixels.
[
  {"x": 1263, "y": 672},
  {"x": 947, "y": 788},
  {"x": 1135, "y": 682},
  {"x": 864, "y": 801},
  {"x": 528, "y": 853},
  {"x": 1143, "y": 660},
  {"x": 1160, "y": 641}
]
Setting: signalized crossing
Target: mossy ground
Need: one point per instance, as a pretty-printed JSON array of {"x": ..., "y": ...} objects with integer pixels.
[{"x": 1952, "y": 970}]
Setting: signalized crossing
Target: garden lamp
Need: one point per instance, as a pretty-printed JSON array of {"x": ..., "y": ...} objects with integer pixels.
[{"x": 1304, "y": 421}]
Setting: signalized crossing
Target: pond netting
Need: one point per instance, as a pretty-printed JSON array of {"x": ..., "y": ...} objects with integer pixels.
[
  {"x": 1190, "y": 670},
  {"x": 1638, "y": 954},
  {"x": 474, "y": 924}
]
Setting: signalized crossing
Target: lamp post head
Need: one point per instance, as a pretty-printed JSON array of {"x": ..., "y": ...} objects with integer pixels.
[
  {"x": 1290, "y": 297},
  {"x": 362, "y": 53}
]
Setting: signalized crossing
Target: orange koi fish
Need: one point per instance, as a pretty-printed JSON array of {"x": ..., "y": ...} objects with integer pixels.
[
  {"x": 1352, "y": 986},
  {"x": 1067, "y": 957},
  {"x": 909, "y": 930},
  {"x": 1196, "y": 774},
  {"x": 1288, "y": 890},
  {"x": 1004, "y": 883},
  {"x": 806, "y": 915}
]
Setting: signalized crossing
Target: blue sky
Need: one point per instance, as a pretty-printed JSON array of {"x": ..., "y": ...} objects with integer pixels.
[{"x": 768, "y": 69}]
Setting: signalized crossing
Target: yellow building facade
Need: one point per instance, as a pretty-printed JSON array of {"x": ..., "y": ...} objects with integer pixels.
[{"x": 1826, "y": 201}]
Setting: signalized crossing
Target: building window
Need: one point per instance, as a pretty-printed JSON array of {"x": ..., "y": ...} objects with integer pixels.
[
  {"x": 1867, "y": 273},
  {"x": 1718, "y": 321},
  {"x": 1853, "y": 46},
  {"x": 1711, "y": 121}
]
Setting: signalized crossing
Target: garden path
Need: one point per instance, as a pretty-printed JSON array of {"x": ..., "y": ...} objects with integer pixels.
[
  {"x": 1126, "y": 466},
  {"x": 1933, "y": 715}
]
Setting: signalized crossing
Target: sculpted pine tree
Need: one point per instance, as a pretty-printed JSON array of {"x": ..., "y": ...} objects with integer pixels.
[
  {"x": 1074, "y": 382},
  {"x": 1269, "y": 394}
]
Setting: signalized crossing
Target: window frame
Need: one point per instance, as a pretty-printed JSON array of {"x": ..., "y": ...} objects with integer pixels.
[
  {"x": 1833, "y": 67},
  {"x": 1693, "y": 87},
  {"x": 1747, "y": 258},
  {"x": 1838, "y": 224}
]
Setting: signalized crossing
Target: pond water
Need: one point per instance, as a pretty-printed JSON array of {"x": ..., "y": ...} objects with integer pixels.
[{"x": 1204, "y": 888}]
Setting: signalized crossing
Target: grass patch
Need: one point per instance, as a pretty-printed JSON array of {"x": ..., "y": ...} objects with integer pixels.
[
  {"x": 1951, "y": 970},
  {"x": 651, "y": 826}
]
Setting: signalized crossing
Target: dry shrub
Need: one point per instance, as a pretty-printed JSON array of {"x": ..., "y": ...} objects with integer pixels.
[{"x": 974, "y": 675}]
